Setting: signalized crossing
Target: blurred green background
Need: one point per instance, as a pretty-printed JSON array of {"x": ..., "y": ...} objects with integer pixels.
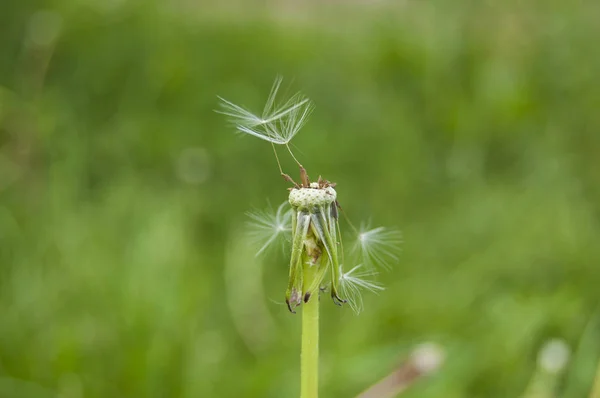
[{"x": 124, "y": 271}]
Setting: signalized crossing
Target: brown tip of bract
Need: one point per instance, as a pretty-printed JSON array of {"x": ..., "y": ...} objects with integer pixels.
[
  {"x": 337, "y": 300},
  {"x": 290, "y": 306},
  {"x": 304, "y": 177},
  {"x": 293, "y": 300}
]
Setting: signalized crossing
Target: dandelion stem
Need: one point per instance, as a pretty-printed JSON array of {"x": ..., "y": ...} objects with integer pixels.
[{"x": 309, "y": 356}]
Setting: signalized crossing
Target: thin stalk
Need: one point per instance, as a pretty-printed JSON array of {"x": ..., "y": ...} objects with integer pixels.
[
  {"x": 277, "y": 158},
  {"x": 309, "y": 356},
  {"x": 291, "y": 153}
]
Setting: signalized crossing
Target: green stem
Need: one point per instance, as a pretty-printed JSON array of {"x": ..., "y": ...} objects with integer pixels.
[{"x": 309, "y": 356}]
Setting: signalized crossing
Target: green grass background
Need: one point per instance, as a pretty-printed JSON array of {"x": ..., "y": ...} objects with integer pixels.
[{"x": 471, "y": 126}]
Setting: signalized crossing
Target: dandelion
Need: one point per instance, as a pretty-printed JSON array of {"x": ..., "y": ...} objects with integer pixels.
[{"x": 316, "y": 255}]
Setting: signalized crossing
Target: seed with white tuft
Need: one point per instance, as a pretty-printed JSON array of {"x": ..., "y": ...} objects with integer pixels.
[
  {"x": 278, "y": 124},
  {"x": 378, "y": 246},
  {"x": 267, "y": 227},
  {"x": 355, "y": 280}
]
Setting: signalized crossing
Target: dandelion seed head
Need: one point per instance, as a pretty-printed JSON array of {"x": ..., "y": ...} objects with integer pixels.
[{"x": 267, "y": 227}]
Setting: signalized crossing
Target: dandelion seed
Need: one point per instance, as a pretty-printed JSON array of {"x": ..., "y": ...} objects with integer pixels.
[
  {"x": 238, "y": 115},
  {"x": 351, "y": 284},
  {"x": 267, "y": 227},
  {"x": 378, "y": 246},
  {"x": 278, "y": 123}
]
